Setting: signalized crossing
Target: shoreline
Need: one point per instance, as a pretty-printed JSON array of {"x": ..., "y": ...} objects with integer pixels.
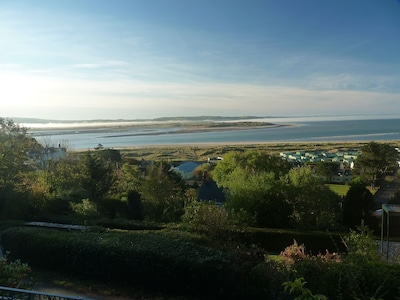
[{"x": 156, "y": 129}]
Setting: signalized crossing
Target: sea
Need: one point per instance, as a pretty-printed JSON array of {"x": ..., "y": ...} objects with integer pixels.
[{"x": 81, "y": 136}]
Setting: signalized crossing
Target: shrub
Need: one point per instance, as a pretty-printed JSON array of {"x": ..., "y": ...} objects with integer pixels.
[
  {"x": 85, "y": 210},
  {"x": 150, "y": 260},
  {"x": 13, "y": 273},
  {"x": 297, "y": 286},
  {"x": 208, "y": 218},
  {"x": 360, "y": 245}
]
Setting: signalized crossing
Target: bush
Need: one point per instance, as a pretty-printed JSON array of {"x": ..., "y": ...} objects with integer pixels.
[
  {"x": 274, "y": 240},
  {"x": 13, "y": 273},
  {"x": 143, "y": 259},
  {"x": 207, "y": 218},
  {"x": 85, "y": 210}
]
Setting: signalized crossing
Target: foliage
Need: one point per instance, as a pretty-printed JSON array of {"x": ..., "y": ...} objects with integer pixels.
[
  {"x": 98, "y": 174},
  {"x": 150, "y": 260},
  {"x": 252, "y": 161},
  {"x": 14, "y": 273},
  {"x": 327, "y": 169},
  {"x": 258, "y": 196},
  {"x": 375, "y": 160},
  {"x": 16, "y": 149},
  {"x": 254, "y": 190},
  {"x": 358, "y": 205},
  {"x": 18, "y": 153},
  {"x": 134, "y": 206},
  {"x": 295, "y": 253},
  {"x": 360, "y": 245},
  {"x": 65, "y": 183},
  {"x": 85, "y": 210},
  {"x": 315, "y": 206},
  {"x": 208, "y": 218},
  {"x": 162, "y": 196},
  {"x": 395, "y": 198},
  {"x": 203, "y": 170},
  {"x": 129, "y": 179},
  {"x": 298, "y": 287}
]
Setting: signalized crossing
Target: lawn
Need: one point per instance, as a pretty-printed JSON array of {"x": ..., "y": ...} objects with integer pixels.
[{"x": 341, "y": 189}]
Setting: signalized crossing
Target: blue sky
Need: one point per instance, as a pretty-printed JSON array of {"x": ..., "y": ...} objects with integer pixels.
[{"x": 101, "y": 59}]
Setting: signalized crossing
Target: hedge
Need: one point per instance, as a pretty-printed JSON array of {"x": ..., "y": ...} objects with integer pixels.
[{"x": 143, "y": 259}]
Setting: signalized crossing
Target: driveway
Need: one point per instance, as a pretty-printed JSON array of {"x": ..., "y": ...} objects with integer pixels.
[{"x": 386, "y": 193}]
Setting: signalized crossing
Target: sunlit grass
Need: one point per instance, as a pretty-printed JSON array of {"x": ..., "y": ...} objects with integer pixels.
[{"x": 342, "y": 189}]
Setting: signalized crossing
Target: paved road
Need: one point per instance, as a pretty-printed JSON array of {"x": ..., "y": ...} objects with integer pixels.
[{"x": 386, "y": 193}]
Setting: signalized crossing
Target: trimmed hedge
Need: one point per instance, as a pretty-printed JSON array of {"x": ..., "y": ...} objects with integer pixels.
[{"x": 144, "y": 259}]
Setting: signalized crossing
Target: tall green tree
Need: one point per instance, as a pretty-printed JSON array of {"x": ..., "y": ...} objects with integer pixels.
[
  {"x": 18, "y": 155},
  {"x": 374, "y": 161},
  {"x": 358, "y": 206},
  {"x": 18, "y": 151},
  {"x": 162, "y": 195},
  {"x": 130, "y": 181},
  {"x": 314, "y": 205},
  {"x": 255, "y": 193},
  {"x": 327, "y": 169},
  {"x": 99, "y": 175},
  {"x": 251, "y": 160},
  {"x": 256, "y": 198},
  {"x": 130, "y": 178}
]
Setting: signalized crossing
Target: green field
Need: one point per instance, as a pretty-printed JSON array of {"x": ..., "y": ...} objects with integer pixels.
[{"x": 342, "y": 189}]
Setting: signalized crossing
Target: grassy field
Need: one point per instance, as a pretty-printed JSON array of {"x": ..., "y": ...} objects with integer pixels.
[
  {"x": 342, "y": 189},
  {"x": 339, "y": 189}
]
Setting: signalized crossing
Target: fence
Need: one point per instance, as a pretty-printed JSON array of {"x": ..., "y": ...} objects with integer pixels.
[{"x": 7, "y": 293}]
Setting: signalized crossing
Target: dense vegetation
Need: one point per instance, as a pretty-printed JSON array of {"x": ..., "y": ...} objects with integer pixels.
[{"x": 147, "y": 227}]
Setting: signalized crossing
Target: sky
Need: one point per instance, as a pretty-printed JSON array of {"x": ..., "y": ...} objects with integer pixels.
[{"x": 140, "y": 59}]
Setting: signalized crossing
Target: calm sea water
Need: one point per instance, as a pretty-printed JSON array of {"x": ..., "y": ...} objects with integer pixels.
[{"x": 303, "y": 131}]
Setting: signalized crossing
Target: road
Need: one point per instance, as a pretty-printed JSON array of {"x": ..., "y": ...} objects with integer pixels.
[{"x": 386, "y": 193}]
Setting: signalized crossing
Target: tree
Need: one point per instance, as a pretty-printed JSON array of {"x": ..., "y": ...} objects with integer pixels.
[
  {"x": 18, "y": 153},
  {"x": 250, "y": 160},
  {"x": 254, "y": 190},
  {"x": 99, "y": 175},
  {"x": 162, "y": 195},
  {"x": 130, "y": 178},
  {"x": 358, "y": 205},
  {"x": 315, "y": 206},
  {"x": 134, "y": 206},
  {"x": 256, "y": 198},
  {"x": 326, "y": 169},
  {"x": 374, "y": 161}
]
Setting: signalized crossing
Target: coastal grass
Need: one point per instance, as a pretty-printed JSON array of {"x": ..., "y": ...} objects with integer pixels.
[{"x": 201, "y": 151}]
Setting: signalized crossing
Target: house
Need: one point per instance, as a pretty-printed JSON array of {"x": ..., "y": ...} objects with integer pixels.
[
  {"x": 214, "y": 160},
  {"x": 209, "y": 191},
  {"x": 51, "y": 154},
  {"x": 342, "y": 176},
  {"x": 186, "y": 170}
]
